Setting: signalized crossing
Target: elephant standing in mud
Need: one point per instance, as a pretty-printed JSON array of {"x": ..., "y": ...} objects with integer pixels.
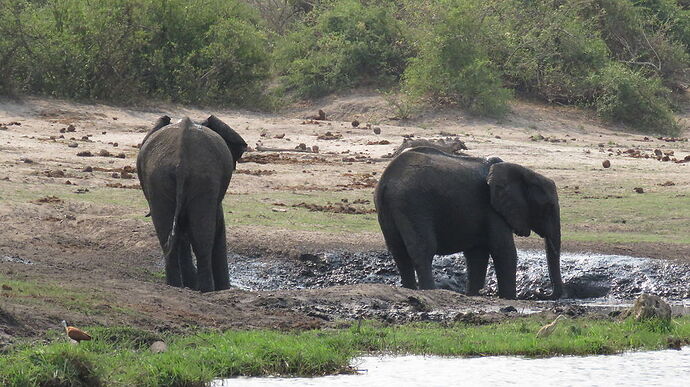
[
  {"x": 430, "y": 202},
  {"x": 184, "y": 170}
]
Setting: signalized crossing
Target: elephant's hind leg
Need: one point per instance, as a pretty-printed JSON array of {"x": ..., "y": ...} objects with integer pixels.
[
  {"x": 420, "y": 243},
  {"x": 477, "y": 262},
  {"x": 163, "y": 221},
  {"x": 402, "y": 260},
  {"x": 186, "y": 262},
  {"x": 202, "y": 233},
  {"x": 219, "y": 257}
]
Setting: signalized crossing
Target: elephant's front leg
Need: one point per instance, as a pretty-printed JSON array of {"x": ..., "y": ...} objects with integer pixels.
[
  {"x": 504, "y": 255},
  {"x": 477, "y": 260}
]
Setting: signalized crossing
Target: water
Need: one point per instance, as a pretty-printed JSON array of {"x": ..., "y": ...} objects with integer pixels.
[
  {"x": 585, "y": 276},
  {"x": 660, "y": 368}
]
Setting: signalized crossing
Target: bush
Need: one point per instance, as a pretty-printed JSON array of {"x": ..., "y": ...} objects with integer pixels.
[
  {"x": 454, "y": 66},
  {"x": 342, "y": 45},
  {"x": 628, "y": 96},
  {"x": 189, "y": 51}
]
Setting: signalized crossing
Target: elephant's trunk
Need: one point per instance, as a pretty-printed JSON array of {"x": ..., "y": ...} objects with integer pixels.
[{"x": 552, "y": 244}]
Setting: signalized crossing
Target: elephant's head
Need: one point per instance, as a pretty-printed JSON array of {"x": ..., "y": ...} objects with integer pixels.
[
  {"x": 162, "y": 121},
  {"x": 528, "y": 202},
  {"x": 235, "y": 142}
]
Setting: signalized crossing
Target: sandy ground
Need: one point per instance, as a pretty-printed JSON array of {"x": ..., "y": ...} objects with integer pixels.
[{"x": 108, "y": 253}]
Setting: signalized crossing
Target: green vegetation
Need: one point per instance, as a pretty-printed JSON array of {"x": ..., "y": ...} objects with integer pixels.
[
  {"x": 621, "y": 57},
  {"x": 120, "y": 356},
  {"x": 39, "y": 294}
]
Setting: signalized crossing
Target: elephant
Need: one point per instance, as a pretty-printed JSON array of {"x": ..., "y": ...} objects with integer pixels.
[
  {"x": 430, "y": 202},
  {"x": 184, "y": 170}
]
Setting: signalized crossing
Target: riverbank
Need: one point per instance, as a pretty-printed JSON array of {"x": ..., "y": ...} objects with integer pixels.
[{"x": 122, "y": 356}]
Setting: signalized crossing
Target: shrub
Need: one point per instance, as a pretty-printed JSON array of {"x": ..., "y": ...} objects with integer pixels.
[
  {"x": 454, "y": 66},
  {"x": 342, "y": 45},
  {"x": 628, "y": 96},
  {"x": 210, "y": 51}
]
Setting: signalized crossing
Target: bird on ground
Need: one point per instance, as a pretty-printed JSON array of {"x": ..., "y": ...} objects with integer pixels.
[
  {"x": 75, "y": 334},
  {"x": 548, "y": 329}
]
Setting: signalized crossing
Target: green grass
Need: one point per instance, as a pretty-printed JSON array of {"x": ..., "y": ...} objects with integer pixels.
[
  {"x": 36, "y": 294},
  {"x": 120, "y": 356}
]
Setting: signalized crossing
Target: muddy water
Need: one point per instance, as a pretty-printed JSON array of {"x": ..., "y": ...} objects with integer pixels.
[
  {"x": 661, "y": 368},
  {"x": 586, "y": 276}
]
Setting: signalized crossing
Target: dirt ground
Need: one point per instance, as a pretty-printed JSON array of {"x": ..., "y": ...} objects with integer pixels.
[{"x": 104, "y": 260}]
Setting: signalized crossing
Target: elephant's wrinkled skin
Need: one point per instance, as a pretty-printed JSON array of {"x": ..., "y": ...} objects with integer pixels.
[
  {"x": 184, "y": 170},
  {"x": 430, "y": 202}
]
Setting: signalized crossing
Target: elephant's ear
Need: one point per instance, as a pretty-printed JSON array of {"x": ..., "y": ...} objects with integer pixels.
[
  {"x": 508, "y": 195},
  {"x": 162, "y": 121},
  {"x": 235, "y": 142}
]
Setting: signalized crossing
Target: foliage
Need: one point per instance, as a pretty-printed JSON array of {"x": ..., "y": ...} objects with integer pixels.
[
  {"x": 626, "y": 95},
  {"x": 201, "y": 51},
  {"x": 454, "y": 65},
  {"x": 344, "y": 44}
]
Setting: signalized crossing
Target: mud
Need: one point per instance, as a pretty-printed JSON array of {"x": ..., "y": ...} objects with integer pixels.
[{"x": 585, "y": 276}]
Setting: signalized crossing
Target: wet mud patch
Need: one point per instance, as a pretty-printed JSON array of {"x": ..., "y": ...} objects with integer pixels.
[{"x": 585, "y": 276}]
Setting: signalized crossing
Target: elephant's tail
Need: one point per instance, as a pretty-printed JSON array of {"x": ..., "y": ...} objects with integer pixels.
[{"x": 179, "y": 202}]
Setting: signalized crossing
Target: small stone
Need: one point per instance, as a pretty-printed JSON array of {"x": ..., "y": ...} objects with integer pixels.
[
  {"x": 71, "y": 128},
  {"x": 104, "y": 132},
  {"x": 72, "y": 145},
  {"x": 315, "y": 148},
  {"x": 103, "y": 153},
  {"x": 355, "y": 123},
  {"x": 606, "y": 164},
  {"x": 158, "y": 347},
  {"x": 508, "y": 309},
  {"x": 85, "y": 154},
  {"x": 63, "y": 130},
  {"x": 377, "y": 130},
  {"x": 639, "y": 190},
  {"x": 125, "y": 175},
  {"x": 87, "y": 169},
  {"x": 120, "y": 155},
  {"x": 115, "y": 144},
  {"x": 6, "y": 287},
  {"x": 322, "y": 115},
  {"x": 115, "y": 175}
]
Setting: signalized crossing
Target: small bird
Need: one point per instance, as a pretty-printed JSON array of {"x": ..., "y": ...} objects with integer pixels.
[
  {"x": 548, "y": 329},
  {"x": 75, "y": 334}
]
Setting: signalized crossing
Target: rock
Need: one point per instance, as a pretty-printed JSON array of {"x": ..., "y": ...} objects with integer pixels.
[
  {"x": 377, "y": 130},
  {"x": 321, "y": 116},
  {"x": 115, "y": 175},
  {"x": 606, "y": 164},
  {"x": 158, "y": 347},
  {"x": 638, "y": 190},
  {"x": 71, "y": 128},
  {"x": 6, "y": 287},
  {"x": 72, "y": 145},
  {"x": 120, "y": 155},
  {"x": 125, "y": 175},
  {"x": 104, "y": 132},
  {"x": 87, "y": 169},
  {"x": 85, "y": 154},
  {"x": 355, "y": 123},
  {"x": 315, "y": 148},
  {"x": 27, "y": 160},
  {"x": 648, "y": 306},
  {"x": 508, "y": 309},
  {"x": 279, "y": 136},
  {"x": 301, "y": 146},
  {"x": 103, "y": 153},
  {"x": 115, "y": 144},
  {"x": 675, "y": 343}
]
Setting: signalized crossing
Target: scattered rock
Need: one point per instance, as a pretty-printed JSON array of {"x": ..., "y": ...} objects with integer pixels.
[
  {"x": 377, "y": 130},
  {"x": 673, "y": 343},
  {"x": 639, "y": 190},
  {"x": 3, "y": 127},
  {"x": 667, "y": 183},
  {"x": 27, "y": 160},
  {"x": 606, "y": 164},
  {"x": 258, "y": 172},
  {"x": 157, "y": 346},
  {"x": 54, "y": 173},
  {"x": 87, "y": 169},
  {"x": 104, "y": 153},
  {"x": 301, "y": 146},
  {"x": 448, "y": 145},
  {"x": 382, "y": 142},
  {"x": 315, "y": 148},
  {"x": 6, "y": 287},
  {"x": 279, "y": 136},
  {"x": 48, "y": 200},
  {"x": 104, "y": 132},
  {"x": 81, "y": 190},
  {"x": 329, "y": 136},
  {"x": 321, "y": 116},
  {"x": 508, "y": 309},
  {"x": 355, "y": 123},
  {"x": 115, "y": 144},
  {"x": 126, "y": 175},
  {"x": 115, "y": 175},
  {"x": 120, "y": 156},
  {"x": 71, "y": 128},
  {"x": 648, "y": 306},
  {"x": 85, "y": 154},
  {"x": 72, "y": 145}
]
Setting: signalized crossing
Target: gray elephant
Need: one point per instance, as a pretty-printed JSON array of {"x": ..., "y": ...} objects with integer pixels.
[
  {"x": 430, "y": 202},
  {"x": 184, "y": 170}
]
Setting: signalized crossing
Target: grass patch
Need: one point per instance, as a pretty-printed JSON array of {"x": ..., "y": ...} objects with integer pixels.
[
  {"x": 84, "y": 301},
  {"x": 119, "y": 356}
]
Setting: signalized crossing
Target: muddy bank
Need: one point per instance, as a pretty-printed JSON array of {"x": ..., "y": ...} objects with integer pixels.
[{"x": 586, "y": 276}]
